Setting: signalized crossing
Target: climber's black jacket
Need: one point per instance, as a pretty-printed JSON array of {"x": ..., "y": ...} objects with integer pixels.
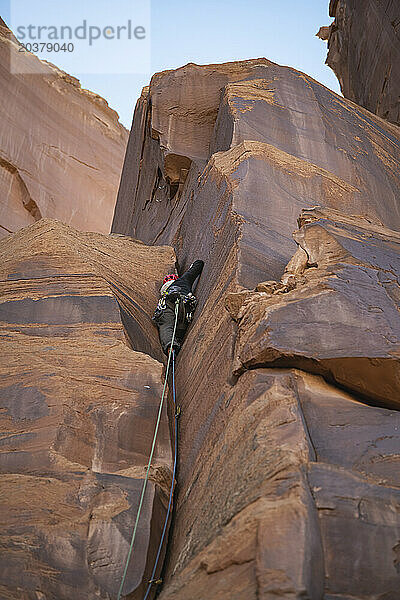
[{"x": 164, "y": 315}]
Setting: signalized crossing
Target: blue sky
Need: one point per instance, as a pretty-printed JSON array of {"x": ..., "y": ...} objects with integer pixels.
[{"x": 207, "y": 31}]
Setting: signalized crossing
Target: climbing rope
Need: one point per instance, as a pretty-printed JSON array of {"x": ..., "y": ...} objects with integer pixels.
[
  {"x": 170, "y": 354},
  {"x": 171, "y": 492}
]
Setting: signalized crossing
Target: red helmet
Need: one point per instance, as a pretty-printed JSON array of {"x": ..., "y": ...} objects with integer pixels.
[{"x": 169, "y": 278}]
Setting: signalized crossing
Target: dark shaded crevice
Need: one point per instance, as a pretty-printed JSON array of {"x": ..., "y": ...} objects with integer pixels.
[
  {"x": 157, "y": 186},
  {"x": 131, "y": 324},
  {"x": 24, "y": 196},
  {"x": 159, "y": 234},
  {"x": 8, "y": 166},
  {"x": 314, "y": 367},
  {"x": 173, "y": 189},
  {"x": 306, "y": 429},
  {"x": 32, "y": 207},
  {"x": 5, "y": 228},
  {"x": 176, "y": 169},
  {"x": 175, "y": 239}
]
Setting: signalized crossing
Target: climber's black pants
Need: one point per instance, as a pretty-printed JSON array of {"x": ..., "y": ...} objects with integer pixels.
[
  {"x": 166, "y": 320},
  {"x": 165, "y": 323}
]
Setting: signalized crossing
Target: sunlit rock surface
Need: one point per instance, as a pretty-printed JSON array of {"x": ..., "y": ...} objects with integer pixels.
[
  {"x": 61, "y": 147},
  {"x": 281, "y": 142}
]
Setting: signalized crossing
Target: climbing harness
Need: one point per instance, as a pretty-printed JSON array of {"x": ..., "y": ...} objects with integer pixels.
[
  {"x": 188, "y": 304},
  {"x": 152, "y": 580}
]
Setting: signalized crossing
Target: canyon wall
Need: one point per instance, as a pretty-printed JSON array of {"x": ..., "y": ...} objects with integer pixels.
[
  {"x": 78, "y": 406},
  {"x": 364, "y": 53},
  {"x": 288, "y": 483},
  {"x": 288, "y": 480},
  {"x": 61, "y": 147}
]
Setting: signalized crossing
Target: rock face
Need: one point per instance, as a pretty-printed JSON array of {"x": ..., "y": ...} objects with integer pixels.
[
  {"x": 364, "y": 53},
  {"x": 288, "y": 381},
  {"x": 279, "y": 138},
  {"x": 289, "y": 433},
  {"x": 61, "y": 147},
  {"x": 78, "y": 407},
  {"x": 351, "y": 269}
]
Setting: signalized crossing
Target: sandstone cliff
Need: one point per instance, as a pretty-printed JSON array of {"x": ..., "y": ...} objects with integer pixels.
[
  {"x": 289, "y": 443},
  {"x": 78, "y": 407},
  {"x": 364, "y": 53},
  {"x": 288, "y": 480},
  {"x": 61, "y": 147}
]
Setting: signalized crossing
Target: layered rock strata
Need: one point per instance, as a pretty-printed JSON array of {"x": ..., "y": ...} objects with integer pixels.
[
  {"x": 348, "y": 268},
  {"x": 286, "y": 472},
  {"x": 364, "y": 53},
  {"x": 78, "y": 407},
  {"x": 61, "y": 147}
]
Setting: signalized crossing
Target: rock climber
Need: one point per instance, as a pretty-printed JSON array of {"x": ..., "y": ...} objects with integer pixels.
[{"x": 176, "y": 288}]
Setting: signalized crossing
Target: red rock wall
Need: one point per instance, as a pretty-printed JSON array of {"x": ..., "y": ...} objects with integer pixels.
[
  {"x": 288, "y": 443},
  {"x": 288, "y": 482},
  {"x": 78, "y": 407},
  {"x": 364, "y": 53},
  {"x": 279, "y": 137},
  {"x": 61, "y": 147}
]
